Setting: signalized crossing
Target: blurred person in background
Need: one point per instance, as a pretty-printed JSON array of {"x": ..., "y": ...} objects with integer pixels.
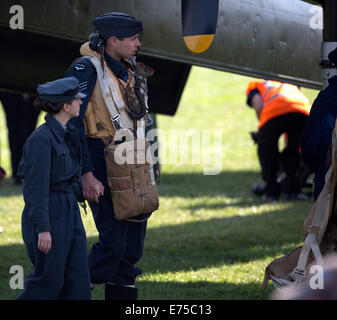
[
  {"x": 281, "y": 108},
  {"x": 21, "y": 119}
]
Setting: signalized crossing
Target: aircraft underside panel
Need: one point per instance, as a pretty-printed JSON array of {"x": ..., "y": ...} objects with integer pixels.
[{"x": 263, "y": 38}]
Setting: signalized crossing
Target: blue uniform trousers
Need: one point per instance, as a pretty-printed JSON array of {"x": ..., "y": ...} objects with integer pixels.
[
  {"x": 63, "y": 272},
  {"x": 121, "y": 243}
]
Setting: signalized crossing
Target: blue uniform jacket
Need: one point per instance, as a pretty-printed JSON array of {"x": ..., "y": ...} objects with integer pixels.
[
  {"x": 317, "y": 135},
  {"x": 51, "y": 161}
]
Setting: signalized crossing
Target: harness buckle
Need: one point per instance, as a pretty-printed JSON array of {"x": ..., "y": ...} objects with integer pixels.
[{"x": 116, "y": 121}]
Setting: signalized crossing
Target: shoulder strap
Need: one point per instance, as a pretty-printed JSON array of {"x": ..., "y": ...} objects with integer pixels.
[
  {"x": 103, "y": 79},
  {"x": 118, "y": 115}
]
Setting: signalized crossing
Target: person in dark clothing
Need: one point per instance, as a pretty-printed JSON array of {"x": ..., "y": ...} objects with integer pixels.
[
  {"x": 112, "y": 259},
  {"x": 317, "y": 135},
  {"x": 52, "y": 227},
  {"x": 21, "y": 118}
]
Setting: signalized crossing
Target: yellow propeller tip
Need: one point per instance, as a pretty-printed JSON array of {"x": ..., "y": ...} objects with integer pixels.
[{"x": 198, "y": 43}]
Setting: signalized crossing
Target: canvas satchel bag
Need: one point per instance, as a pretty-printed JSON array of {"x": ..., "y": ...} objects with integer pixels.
[{"x": 131, "y": 179}]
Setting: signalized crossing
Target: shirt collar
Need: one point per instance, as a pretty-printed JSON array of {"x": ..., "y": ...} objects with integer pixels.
[
  {"x": 116, "y": 67},
  {"x": 57, "y": 128}
]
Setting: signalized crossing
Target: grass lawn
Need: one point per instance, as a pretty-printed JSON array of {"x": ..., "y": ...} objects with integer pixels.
[{"x": 211, "y": 238}]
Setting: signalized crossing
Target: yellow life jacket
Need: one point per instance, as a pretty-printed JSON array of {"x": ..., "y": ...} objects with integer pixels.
[{"x": 97, "y": 120}]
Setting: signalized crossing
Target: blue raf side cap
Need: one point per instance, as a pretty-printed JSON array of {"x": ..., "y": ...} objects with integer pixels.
[
  {"x": 117, "y": 24},
  {"x": 61, "y": 90}
]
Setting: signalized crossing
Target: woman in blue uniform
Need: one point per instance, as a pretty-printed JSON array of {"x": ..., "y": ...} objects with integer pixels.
[{"x": 52, "y": 228}]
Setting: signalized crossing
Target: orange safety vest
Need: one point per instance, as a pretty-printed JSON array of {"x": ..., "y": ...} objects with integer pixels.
[{"x": 278, "y": 99}]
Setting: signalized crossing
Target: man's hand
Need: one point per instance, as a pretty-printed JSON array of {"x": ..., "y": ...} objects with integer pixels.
[
  {"x": 257, "y": 104},
  {"x": 44, "y": 242},
  {"x": 255, "y": 136},
  {"x": 91, "y": 187}
]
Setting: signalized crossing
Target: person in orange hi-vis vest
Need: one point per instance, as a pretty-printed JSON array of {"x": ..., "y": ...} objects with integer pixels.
[{"x": 280, "y": 108}]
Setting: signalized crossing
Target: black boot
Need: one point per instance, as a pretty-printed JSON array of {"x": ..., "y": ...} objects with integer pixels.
[
  {"x": 259, "y": 189},
  {"x": 114, "y": 292}
]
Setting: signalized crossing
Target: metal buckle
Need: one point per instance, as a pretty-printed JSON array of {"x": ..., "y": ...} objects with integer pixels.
[
  {"x": 279, "y": 283},
  {"x": 116, "y": 121},
  {"x": 299, "y": 272}
]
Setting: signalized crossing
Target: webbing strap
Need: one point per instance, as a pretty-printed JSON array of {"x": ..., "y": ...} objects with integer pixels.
[
  {"x": 109, "y": 92},
  {"x": 113, "y": 102},
  {"x": 321, "y": 214},
  {"x": 299, "y": 271},
  {"x": 313, "y": 238}
]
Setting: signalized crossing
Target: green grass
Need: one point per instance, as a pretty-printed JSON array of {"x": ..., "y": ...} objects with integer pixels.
[{"x": 211, "y": 238}]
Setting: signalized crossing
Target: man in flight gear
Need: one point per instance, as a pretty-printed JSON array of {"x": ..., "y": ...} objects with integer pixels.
[
  {"x": 114, "y": 45},
  {"x": 280, "y": 108}
]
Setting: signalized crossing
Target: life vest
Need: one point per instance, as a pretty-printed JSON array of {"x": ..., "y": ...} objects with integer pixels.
[
  {"x": 278, "y": 99},
  {"x": 97, "y": 120}
]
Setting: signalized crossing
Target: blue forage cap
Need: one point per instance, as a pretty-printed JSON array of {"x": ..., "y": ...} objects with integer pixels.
[
  {"x": 117, "y": 24},
  {"x": 61, "y": 90},
  {"x": 333, "y": 56}
]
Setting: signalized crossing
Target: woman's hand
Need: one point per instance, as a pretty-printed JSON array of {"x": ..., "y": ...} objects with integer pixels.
[
  {"x": 44, "y": 242},
  {"x": 91, "y": 187}
]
